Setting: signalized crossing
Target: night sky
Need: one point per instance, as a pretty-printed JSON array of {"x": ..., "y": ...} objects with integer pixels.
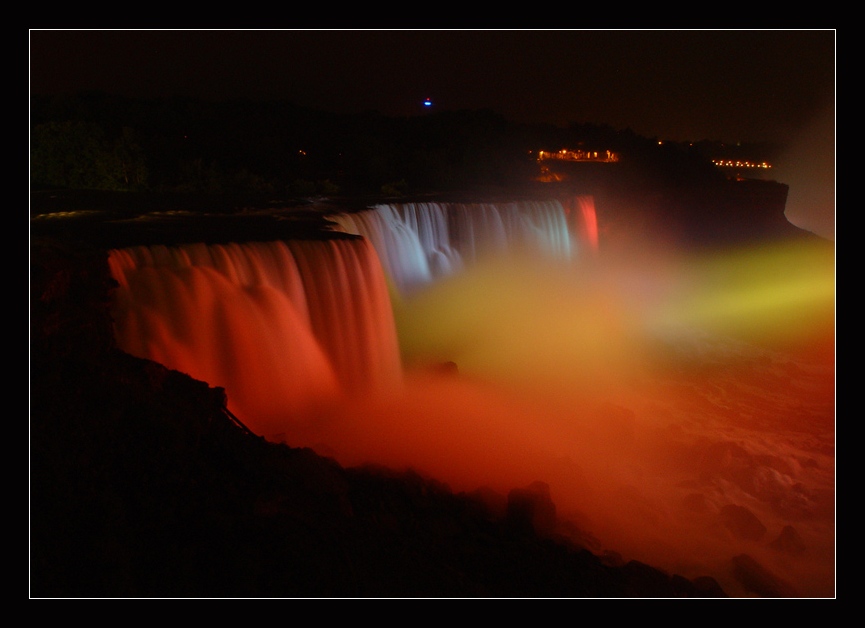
[
  {"x": 676, "y": 85},
  {"x": 685, "y": 85}
]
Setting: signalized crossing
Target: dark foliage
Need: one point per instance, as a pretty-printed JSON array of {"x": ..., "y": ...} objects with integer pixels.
[{"x": 277, "y": 149}]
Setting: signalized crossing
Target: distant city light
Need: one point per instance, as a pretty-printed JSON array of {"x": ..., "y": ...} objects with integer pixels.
[
  {"x": 566, "y": 154},
  {"x": 730, "y": 163}
]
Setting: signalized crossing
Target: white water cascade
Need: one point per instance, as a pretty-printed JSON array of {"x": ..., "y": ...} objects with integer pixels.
[{"x": 421, "y": 242}]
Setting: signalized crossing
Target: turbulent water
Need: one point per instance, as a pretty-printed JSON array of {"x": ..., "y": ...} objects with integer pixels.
[{"x": 681, "y": 408}]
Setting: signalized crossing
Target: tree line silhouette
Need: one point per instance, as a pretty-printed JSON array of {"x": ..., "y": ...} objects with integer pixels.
[{"x": 97, "y": 141}]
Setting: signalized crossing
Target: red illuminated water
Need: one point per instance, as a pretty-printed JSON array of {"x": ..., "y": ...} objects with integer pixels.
[
  {"x": 654, "y": 392},
  {"x": 285, "y": 327}
]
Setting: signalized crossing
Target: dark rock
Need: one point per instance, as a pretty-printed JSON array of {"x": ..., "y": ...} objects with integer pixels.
[
  {"x": 789, "y": 541},
  {"x": 743, "y": 523},
  {"x": 707, "y": 586},
  {"x": 448, "y": 368},
  {"x": 647, "y": 581},
  {"x": 489, "y": 503},
  {"x": 759, "y": 580},
  {"x": 531, "y": 509}
]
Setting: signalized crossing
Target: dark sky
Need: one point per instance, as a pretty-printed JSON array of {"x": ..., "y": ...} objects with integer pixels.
[{"x": 729, "y": 85}]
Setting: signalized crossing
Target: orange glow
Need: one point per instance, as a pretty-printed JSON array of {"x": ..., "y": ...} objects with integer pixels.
[
  {"x": 650, "y": 391},
  {"x": 566, "y": 154},
  {"x": 309, "y": 319}
]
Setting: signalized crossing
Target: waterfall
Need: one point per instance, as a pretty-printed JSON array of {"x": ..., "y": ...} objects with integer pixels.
[
  {"x": 282, "y": 326},
  {"x": 412, "y": 250},
  {"x": 625, "y": 387},
  {"x": 287, "y": 327},
  {"x": 583, "y": 220},
  {"x": 421, "y": 242}
]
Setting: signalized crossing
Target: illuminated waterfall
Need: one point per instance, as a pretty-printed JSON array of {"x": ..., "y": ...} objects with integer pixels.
[
  {"x": 283, "y": 326},
  {"x": 584, "y": 220},
  {"x": 286, "y": 326},
  {"x": 421, "y": 242},
  {"x": 412, "y": 242},
  {"x": 650, "y": 397}
]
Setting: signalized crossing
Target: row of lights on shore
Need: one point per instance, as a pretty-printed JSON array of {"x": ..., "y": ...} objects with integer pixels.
[
  {"x": 729, "y": 163},
  {"x": 578, "y": 155}
]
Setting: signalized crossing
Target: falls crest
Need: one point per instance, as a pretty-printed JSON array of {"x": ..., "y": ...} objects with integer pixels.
[
  {"x": 419, "y": 243},
  {"x": 286, "y": 327}
]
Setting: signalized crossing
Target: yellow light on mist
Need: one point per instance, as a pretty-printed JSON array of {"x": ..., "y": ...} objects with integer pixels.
[{"x": 777, "y": 293}]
